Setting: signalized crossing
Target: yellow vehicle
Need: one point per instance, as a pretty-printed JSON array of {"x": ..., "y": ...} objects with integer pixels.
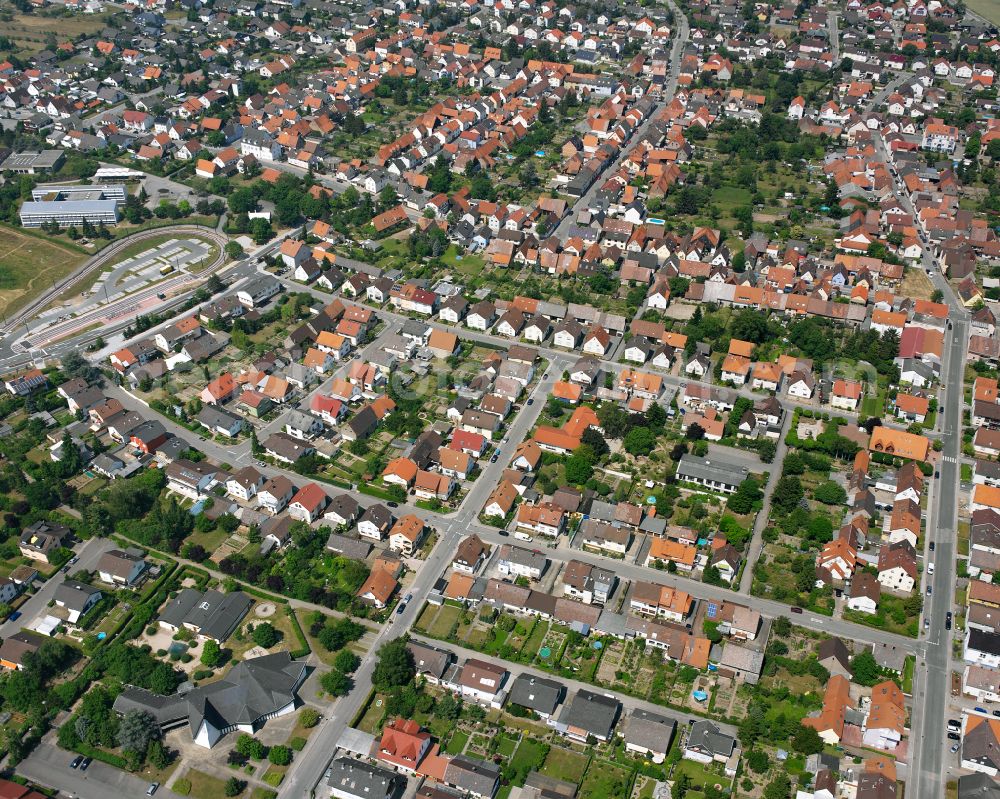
[{"x": 166, "y": 270}]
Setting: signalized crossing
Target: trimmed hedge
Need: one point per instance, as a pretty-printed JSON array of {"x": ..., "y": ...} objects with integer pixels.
[
  {"x": 99, "y": 754},
  {"x": 304, "y": 648}
]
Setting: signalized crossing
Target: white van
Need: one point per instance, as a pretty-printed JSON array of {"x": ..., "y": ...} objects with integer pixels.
[{"x": 523, "y": 537}]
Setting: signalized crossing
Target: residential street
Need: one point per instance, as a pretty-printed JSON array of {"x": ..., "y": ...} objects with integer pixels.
[{"x": 89, "y": 552}]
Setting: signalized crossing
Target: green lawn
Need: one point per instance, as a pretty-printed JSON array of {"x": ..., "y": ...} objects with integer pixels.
[
  {"x": 700, "y": 775},
  {"x": 526, "y": 757},
  {"x": 468, "y": 265},
  {"x": 445, "y": 621},
  {"x": 205, "y": 786},
  {"x": 908, "y": 666},
  {"x": 564, "y": 764},
  {"x": 604, "y": 781},
  {"x": 30, "y": 264},
  {"x": 728, "y": 198},
  {"x": 535, "y": 639},
  {"x": 456, "y": 745},
  {"x": 989, "y": 9},
  {"x": 506, "y": 745}
]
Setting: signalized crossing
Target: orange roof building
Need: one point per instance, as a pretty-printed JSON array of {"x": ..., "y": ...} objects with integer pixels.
[
  {"x": 899, "y": 443},
  {"x": 666, "y": 550},
  {"x": 830, "y": 722}
]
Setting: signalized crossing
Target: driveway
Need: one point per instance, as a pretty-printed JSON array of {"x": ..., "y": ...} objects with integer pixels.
[{"x": 37, "y": 605}]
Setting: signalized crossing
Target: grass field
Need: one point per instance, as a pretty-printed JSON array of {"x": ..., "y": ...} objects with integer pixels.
[
  {"x": 205, "y": 786},
  {"x": 916, "y": 284},
  {"x": 564, "y": 764},
  {"x": 604, "y": 781},
  {"x": 30, "y": 264},
  {"x": 989, "y": 9},
  {"x": 31, "y": 32}
]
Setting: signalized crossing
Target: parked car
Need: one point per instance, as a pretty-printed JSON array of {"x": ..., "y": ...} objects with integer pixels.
[
  {"x": 954, "y": 725},
  {"x": 982, "y": 710},
  {"x": 796, "y": 610},
  {"x": 954, "y": 736},
  {"x": 954, "y": 748},
  {"x": 930, "y": 568},
  {"x": 14, "y": 616},
  {"x": 86, "y": 763},
  {"x": 932, "y": 546},
  {"x": 531, "y": 400},
  {"x": 393, "y": 504},
  {"x": 947, "y": 621},
  {"x": 152, "y": 788},
  {"x": 76, "y": 761},
  {"x": 928, "y": 590}
]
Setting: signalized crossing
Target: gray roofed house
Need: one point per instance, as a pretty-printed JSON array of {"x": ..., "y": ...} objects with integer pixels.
[
  {"x": 121, "y": 568},
  {"x": 475, "y": 777},
  {"x": 355, "y": 779},
  {"x": 515, "y": 561},
  {"x": 343, "y": 508},
  {"x": 589, "y": 714},
  {"x": 218, "y": 420},
  {"x": 980, "y": 745},
  {"x": 253, "y": 691},
  {"x": 40, "y": 539},
  {"x": 361, "y": 425},
  {"x": 209, "y": 614},
  {"x": 76, "y": 598},
  {"x": 648, "y": 733},
  {"x": 742, "y": 662},
  {"x": 707, "y": 742},
  {"x": 16, "y": 646},
  {"x": 285, "y": 448},
  {"x": 978, "y": 786},
  {"x": 348, "y": 546},
  {"x": 541, "y": 786},
  {"x": 538, "y": 694},
  {"x": 833, "y": 655},
  {"x": 718, "y": 475},
  {"x": 431, "y": 661}
]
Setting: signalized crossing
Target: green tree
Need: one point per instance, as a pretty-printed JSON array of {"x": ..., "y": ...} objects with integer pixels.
[
  {"x": 335, "y": 683},
  {"x": 778, "y": 788},
  {"x": 266, "y": 635},
  {"x": 234, "y": 787},
  {"x": 308, "y": 717},
  {"x": 578, "y": 470},
  {"x": 787, "y": 493},
  {"x": 346, "y": 661},
  {"x": 865, "y": 670},
  {"x": 807, "y": 741},
  {"x": 280, "y": 755},
  {"x": 758, "y": 761},
  {"x": 830, "y": 493},
  {"x": 250, "y": 747},
  {"x": 211, "y": 654},
  {"x": 395, "y": 666},
  {"x": 639, "y": 441},
  {"x": 136, "y": 730}
]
